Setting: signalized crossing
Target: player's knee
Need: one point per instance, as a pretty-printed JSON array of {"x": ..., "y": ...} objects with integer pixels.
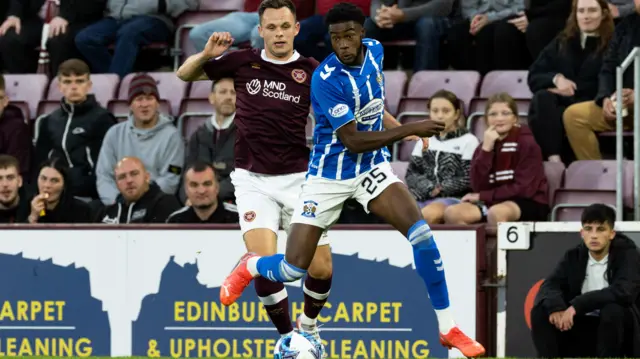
[{"x": 322, "y": 266}]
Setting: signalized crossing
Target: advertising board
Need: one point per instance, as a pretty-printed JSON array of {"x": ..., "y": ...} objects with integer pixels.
[{"x": 155, "y": 292}]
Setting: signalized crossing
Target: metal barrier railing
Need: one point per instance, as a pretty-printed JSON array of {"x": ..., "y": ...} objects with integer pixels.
[{"x": 633, "y": 57}]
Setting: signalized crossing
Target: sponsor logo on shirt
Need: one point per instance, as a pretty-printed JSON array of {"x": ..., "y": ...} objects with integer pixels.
[
  {"x": 371, "y": 112},
  {"x": 272, "y": 89},
  {"x": 339, "y": 110}
]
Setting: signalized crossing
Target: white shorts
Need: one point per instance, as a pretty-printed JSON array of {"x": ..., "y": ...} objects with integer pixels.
[
  {"x": 267, "y": 201},
  {"x": 321, "y": 200}
]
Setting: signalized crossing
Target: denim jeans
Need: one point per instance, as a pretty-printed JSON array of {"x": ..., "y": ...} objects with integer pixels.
[
  {"x": 427, "y": 31},
  {"x": 243, "y": 27},
  {"x": 129, "y": 35}
]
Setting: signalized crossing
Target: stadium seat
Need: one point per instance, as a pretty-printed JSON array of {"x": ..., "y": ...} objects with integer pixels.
[
  {"x": 412, "y": 109},
  {"x": 29, "y": 88},
  {"x": 395, "y": 82},
  {"x": 478, "y": 105},
  {"x": 512, "y": 82},
  {"x": 463, "y": 83},
  {"x": 45, "y": 107},
  {"x": 120, "y": 108},
  {"x": 193, "y": 113},
  {"x": 104, "y": 86},
  {"x": 400, "y": 169},
  {"x": 554, "y": 171},
  {"x": 588, "y": 182},
  {"x": 183, "y": 47},
  {"x": 200, "y": 89},
  {"x": 171, "y": 88}
]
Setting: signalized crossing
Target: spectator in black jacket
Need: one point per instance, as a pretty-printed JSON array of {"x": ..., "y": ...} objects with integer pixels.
[
  {"x": 74, "y": 132},
  {"x": 15, "y": 136},
  {"x": 566, "y": 72},
  {"x": 21, "y": 32},
  {"x": 52, "y": 203},
  {"x": 583, "y": 120},
  {"x": 545, "y": 20},
  {"x": 140, "y": 200},
  {"x": 205, "y": 206},
  {"x": 14, "y": 200},
  {"x": 214, "y": 141},
  {"x": 588, "y": 306}
]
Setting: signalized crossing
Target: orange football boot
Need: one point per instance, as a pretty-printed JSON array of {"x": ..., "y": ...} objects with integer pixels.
[
  {"x": 467, "y": 346},
  {"x": 236, "y": 282}
]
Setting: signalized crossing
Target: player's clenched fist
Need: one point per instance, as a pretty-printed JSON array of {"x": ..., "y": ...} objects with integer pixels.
[
  {"x": 218, "y": 43},
  {"x": 428, "y": 128}
]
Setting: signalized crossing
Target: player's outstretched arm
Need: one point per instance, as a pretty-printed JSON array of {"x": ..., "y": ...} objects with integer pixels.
[
  {"x": 192, "y": 69},
  {"x": 363, "y": 141}
]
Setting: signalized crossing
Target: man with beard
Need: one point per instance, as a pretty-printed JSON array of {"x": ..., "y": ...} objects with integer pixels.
[
  {"x": 213, "y": 142},
  {"x": 140, "y": 199},
  {"x": 14, "y": 202},
  {"x": 202, "y": 190}
]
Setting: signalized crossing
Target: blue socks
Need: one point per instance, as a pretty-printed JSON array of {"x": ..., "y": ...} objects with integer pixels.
[
  {"x": 429, "y": 264},
  {"x": 277, "y": 269}
]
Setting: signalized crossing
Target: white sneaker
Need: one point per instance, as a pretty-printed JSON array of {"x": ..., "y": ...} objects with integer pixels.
[{"x": 313, "y": 331}]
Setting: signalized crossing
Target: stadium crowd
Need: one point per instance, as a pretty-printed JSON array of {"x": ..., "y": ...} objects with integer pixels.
[{"x": 140, "y": 153}]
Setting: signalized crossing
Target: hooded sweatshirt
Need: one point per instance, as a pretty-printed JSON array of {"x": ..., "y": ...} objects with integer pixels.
[{"x": 161, "y": 150}]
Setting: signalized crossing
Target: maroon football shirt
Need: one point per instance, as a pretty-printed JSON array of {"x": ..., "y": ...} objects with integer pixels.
[{"x": 273, "y": 101}]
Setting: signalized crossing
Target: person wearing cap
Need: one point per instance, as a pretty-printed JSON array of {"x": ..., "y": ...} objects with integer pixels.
[{"x": 148, "y": 135}]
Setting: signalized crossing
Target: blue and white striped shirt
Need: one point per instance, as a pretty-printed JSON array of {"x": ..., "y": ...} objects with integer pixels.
[{"x": 341, "y": 94}]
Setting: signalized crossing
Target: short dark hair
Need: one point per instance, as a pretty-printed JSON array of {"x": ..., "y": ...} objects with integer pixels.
[
  {"x": 73, "y": 67},
  {"x": 2, "y": 85},
  {"x": 215, "y": 82},
  {"x": 599, "y": 213},
  {"x": 8, "y": 161},
  {"x": 344, "y": 12},
  {"x": 200, "y": 166},
  {"x": 276, "y": 4}
]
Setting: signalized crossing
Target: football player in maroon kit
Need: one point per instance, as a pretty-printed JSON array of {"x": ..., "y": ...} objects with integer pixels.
[{"x": 271, "y": 154}]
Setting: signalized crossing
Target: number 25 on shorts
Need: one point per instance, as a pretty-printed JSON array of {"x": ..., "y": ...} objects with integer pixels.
[{"x": 514, "y": 235}]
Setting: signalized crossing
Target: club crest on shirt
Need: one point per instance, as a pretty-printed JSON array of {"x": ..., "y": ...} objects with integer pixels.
[
  {"x": 249, "y": 216},
  {"x": 379, "y": 79},
  {"x": 255, "y": 65},
  {"x": 299, "y": 75},
  {"x": 309, "y": 209}
]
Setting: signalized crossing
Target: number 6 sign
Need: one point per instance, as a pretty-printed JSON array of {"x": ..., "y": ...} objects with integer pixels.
[{"x": 514, "y": 235}]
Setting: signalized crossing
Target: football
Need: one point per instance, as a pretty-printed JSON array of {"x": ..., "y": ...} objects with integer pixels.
[{"x": 298, "y": 346}]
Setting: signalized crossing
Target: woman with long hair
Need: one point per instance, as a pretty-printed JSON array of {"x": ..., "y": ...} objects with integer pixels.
[
  {"x": 566, "y": 72},
  {"x": 507, "y": 174},
  {"x": 438, "y": 173},
  {"x": 52, "y": 202}
]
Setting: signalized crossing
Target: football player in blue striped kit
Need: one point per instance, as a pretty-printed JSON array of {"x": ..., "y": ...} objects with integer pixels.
[{"x": 350, "y": 160}]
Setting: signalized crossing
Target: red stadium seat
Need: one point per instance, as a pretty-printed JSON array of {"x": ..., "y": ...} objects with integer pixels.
[
  {"x": 395, "y": 82},
  {"x": 512, "y": 82},
  {"x": 588, "y": 182},
  {"x": 200, "y": 89},
  {"x": 193, "y": 113},
  {"x": 462, "y": 83},
  {"x": 29, "y": 88},
  {"x": 171, "y": 88},
  {"x": 45, "y": 107},
  {"x": 554, "y": 171},
  {"x": 104, "y": 86},
  {"x": 182, "y": 45}
]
